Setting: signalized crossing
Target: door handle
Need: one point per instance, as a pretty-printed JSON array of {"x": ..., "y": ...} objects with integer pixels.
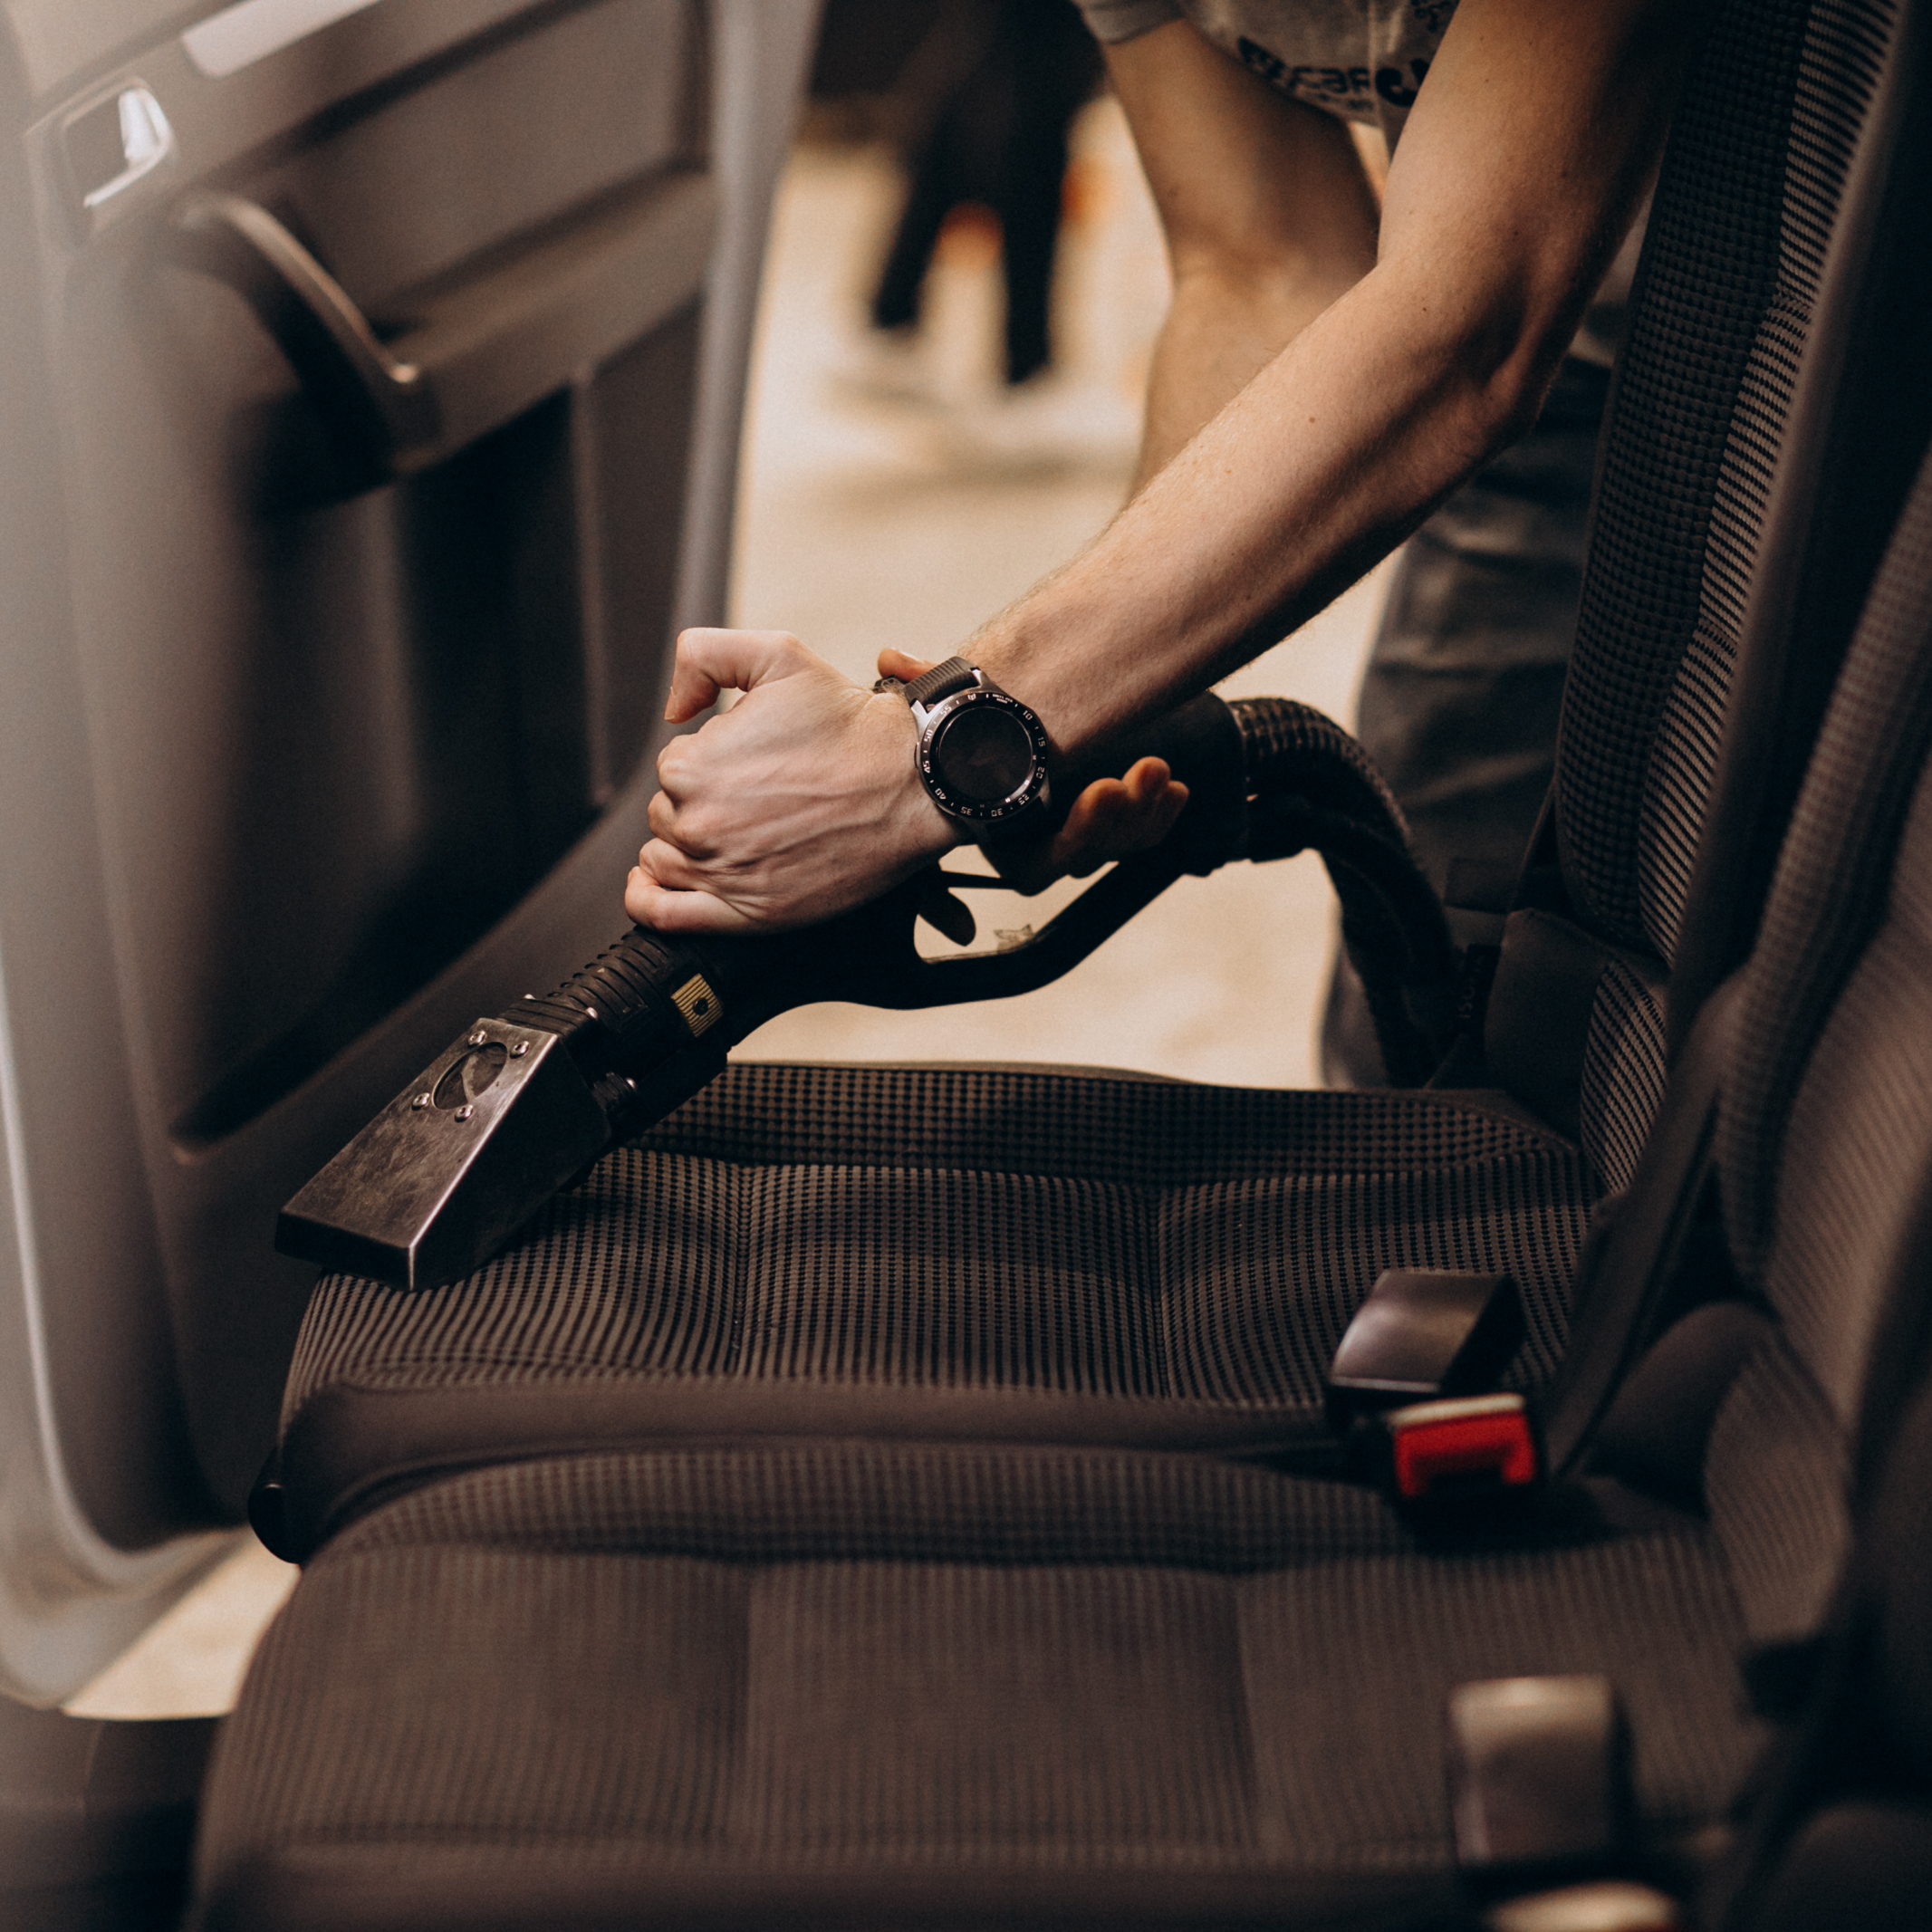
[
  {"x": 381, "y": 407},
  {"x": 481, "y": 344}
]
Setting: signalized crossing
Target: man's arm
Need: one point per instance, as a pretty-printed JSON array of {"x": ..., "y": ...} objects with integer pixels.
[
  {"x": 1521, "y": 165},
  {"x": 1268, "y": 217}
]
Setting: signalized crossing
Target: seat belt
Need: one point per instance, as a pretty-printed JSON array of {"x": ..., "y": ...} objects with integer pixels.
[
  {"x": 1410, "y": 1388},
  {"x": 1421, "y": 1335},
  {"x": 1622, "y": 1287}
]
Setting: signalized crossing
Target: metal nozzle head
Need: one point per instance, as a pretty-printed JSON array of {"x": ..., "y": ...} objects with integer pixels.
[{"x": 436, "y": 1183}]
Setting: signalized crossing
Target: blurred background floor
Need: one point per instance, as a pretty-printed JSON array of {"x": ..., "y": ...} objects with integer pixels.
[{"x": 869, "y": 519}]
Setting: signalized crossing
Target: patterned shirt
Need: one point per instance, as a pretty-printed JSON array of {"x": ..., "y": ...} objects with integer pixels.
[{"x": 1359, "y": 60}]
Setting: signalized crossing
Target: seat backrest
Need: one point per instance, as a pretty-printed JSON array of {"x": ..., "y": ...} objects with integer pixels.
[
  {"x": 1824, "y": 1142},
  {"x": 1820, "y": 1471},
  {"x": 1750, "y": 471},
  {"x": 1747, "y": 207},
  {"x": 370, "y": 377}
]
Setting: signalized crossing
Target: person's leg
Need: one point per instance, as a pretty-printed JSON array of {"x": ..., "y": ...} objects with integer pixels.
[
  {"x": 930, "y": 196},
  {"x": 957, "y": 159},
  {"x": 1460, "y": 699},
  {"x": 1029, "y": 213},
  {"x": 1054, "y": 64}
]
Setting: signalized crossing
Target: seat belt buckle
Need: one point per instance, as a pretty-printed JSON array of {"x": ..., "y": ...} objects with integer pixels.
[
  {"x": 1422, "y": 1333},
  {"x": 1602, "y": 1904},
  {"x": 1406, "y": 1395},
  {"x": 1463, "y": 1452},
  {"x": 1539, "y": 1772},
  {"x": 1541, "y": 1806}
]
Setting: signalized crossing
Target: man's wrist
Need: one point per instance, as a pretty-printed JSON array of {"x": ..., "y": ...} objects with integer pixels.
[
  {"x": 1063, "y": 702},
  {"x": 923, "y": 828}
]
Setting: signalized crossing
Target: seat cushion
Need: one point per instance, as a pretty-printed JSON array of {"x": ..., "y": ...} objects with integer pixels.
[
  {"x": 1003, "y": 1253},
  {"x": 715, "y": 1682}
]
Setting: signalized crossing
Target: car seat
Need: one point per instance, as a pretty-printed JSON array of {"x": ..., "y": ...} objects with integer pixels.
[
  {"x": 1048, "y": 1255},
  {"x": 854, "y": 1681}
]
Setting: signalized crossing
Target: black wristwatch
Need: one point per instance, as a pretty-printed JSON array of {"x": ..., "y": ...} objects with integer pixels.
[{"x": 982, "y": 754}]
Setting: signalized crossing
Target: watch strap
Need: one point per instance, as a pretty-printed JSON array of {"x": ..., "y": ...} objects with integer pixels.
[{"x": 941, "y": 681}]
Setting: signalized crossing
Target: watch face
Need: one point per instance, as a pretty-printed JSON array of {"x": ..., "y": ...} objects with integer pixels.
[{"x": 985, "y": 756}]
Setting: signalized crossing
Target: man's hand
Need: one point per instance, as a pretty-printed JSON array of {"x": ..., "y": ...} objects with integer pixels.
[
  {"x": 1111, "y": 818},
  {"x": 798, "y": 802}
]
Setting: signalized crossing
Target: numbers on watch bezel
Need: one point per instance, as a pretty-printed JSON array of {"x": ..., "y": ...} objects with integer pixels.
[{"x": 981, "y": 811}]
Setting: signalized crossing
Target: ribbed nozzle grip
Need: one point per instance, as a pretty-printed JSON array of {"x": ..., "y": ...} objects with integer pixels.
[{"x": 628, "y": 989}]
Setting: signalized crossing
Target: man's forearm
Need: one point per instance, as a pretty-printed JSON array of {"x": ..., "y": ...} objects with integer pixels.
[
  {"x": 1521, "y": 165},
  {"x": 1268, "y": 214},
  {"x": 1221, "y": 332},
  {"x": 1320, "y": 467}
]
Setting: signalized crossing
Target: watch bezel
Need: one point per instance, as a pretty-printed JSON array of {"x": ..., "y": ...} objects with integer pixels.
[{"x": 983, "y": 812}]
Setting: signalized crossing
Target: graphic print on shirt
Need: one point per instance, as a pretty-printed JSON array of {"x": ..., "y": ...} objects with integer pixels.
[
  {"x": 1333, "y": 84},
  {"x": 1357, "y": 59}
]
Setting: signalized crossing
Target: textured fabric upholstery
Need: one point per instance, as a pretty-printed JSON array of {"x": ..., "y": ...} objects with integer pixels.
[
  {"x": 1825, "y": 1132},
  {"x": 952, "y": 1226},
  {"x": 1708, "y": 392},
  {"x": 1836, "y": 878},
  {"x": 1831, "y": 1145},
  {"x": 1160, "y": 1677},
  {"x": 1721, "y": 312},
  {"x": 1623, "y": 1074}
]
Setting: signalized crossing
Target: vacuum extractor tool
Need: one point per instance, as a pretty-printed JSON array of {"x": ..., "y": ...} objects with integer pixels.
[{"x": 525, "y": 1100}]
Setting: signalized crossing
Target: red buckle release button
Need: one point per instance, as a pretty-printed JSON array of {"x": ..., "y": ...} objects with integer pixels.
[{"x": 1473, "y": 1442}]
